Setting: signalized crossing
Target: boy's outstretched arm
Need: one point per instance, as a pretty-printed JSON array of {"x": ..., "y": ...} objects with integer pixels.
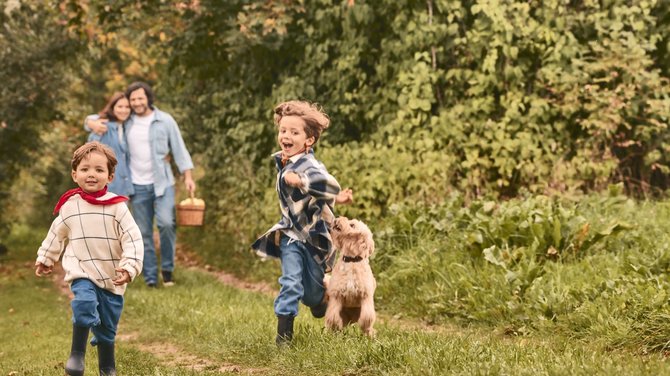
[
  {"x": 293, "y": 179},
  {"x": 315, "y": 182}
]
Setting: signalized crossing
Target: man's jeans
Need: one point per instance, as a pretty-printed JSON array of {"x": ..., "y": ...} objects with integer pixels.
[
  {"x": 301, "y": 279},
  {"x": 145, "y": 205}
]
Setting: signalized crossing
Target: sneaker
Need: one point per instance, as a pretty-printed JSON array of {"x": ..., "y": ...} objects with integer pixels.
[
  {"x": 151, "y": 285},
  {"x": 167, "y": 279},
  {"x": 320, "y": 310}
]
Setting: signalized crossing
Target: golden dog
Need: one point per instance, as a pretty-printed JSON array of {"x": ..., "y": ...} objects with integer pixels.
[{"x": 350, "y": 290}]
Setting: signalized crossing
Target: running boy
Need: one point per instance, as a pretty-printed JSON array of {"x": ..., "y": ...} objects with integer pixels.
[
  {"x": 104, "y": 252},
  {"x": 307, "y": 194}
]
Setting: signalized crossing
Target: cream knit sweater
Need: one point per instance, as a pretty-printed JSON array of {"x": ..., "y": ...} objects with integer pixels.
[{"x": 96, "y": 240}]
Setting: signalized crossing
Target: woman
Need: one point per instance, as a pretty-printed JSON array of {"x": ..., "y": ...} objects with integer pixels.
[{"x": 115, "y": 112}]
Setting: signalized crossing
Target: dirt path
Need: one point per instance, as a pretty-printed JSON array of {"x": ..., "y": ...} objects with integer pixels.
[
  {"x": 189, "y": 259},
  {"x": 170, "y": 354}
]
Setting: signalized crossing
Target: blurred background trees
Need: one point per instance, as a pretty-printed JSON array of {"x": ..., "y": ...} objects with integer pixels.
[{"x": 486, "y": 98}]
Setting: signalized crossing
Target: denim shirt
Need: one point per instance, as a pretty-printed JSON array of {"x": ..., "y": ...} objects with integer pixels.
[
  {"x": 164, "y": 139},
  {"x": 306, "y": 211},
  {"x": 122, "y": 183}
]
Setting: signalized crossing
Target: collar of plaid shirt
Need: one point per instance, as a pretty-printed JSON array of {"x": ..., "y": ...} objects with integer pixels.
[
  {"x": 285, "y": 159},
  {"x": 91, "y": 198}
]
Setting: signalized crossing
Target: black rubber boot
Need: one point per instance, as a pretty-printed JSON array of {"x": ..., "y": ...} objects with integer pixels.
[
  {"x": 106, "y": 361},
  {"x": 320, "y": 310},
  {"x": 75, "y": 364},
  {"x": 284, "y": 330}
]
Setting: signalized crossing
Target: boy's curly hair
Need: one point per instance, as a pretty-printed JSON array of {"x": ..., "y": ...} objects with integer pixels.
[
  {"x": 90, "y": 147},
  {"x": 316, "y": 121}
]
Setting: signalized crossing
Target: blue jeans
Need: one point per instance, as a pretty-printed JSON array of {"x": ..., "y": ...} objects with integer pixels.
[
  {"x": 96, "y": 308},
  {"x": 301, "y": 278},
  {"x": 145, "y": 205}
]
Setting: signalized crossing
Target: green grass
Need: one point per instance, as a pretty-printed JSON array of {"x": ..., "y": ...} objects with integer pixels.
[
  {"x": 235, "y": 258},
  {"x": 36, "y": 328},
  {"x": 433, "y": 264},
  {"x": 203, "y": 318}
]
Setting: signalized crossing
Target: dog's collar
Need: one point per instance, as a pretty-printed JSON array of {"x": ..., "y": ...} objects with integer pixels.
[{"x": 352, "y": 259}]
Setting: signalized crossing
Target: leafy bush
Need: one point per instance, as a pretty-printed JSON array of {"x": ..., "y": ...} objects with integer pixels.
[{"x": 531, "y": 264}]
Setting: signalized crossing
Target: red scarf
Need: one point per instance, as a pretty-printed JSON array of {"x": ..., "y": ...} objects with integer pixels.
[{"x": 91, "y": 198}]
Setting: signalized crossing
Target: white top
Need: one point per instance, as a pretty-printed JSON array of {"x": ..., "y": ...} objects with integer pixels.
[
  {"x": 97, "y": 239},
  {"x": 139, "y": 148}
]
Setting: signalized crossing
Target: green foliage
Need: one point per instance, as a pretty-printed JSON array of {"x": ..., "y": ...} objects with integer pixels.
[
  {"x": 211, "y": 328},
  {"x": 426, "y": 98},
  {"x": 532, "y": 264},
  {"x": 486, "y": 98},
  {"x": 36, "y": 53},
  {"x": 457, "y": 124}
]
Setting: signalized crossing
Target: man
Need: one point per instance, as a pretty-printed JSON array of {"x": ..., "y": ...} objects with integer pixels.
[{"x": 152, "y": 136}]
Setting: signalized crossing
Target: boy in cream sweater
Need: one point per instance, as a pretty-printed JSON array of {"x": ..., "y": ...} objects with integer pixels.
[{"x": 103, "y": 251}]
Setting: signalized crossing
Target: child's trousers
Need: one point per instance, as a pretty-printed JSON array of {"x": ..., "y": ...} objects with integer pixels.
[
  {"x": 301, "y": 279},
  {"x": 96, "y": 308}
]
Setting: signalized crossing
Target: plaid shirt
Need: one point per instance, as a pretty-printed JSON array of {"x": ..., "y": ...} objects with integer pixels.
[
  {"x": 306, "y": 211},
  {"x": 99, "y": 239}
]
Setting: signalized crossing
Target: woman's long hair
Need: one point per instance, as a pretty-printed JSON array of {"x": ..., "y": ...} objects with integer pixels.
[{"x": 108, "y": 111}]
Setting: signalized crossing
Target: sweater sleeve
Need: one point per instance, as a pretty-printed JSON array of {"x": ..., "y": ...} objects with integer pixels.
[
  {"x": 52, "y": 247},
  {"x": 132, "y": 247}
]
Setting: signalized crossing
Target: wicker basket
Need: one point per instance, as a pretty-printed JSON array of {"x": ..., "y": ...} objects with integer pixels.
[{"x": 189, "y": 213}]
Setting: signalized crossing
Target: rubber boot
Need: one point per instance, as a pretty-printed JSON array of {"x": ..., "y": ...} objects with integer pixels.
[
  {"x": 320, "y": 310},
  {"x": 75, "y": 364},
  {"x": 284, "y": 330},
  {"x": 106, "y": 361}
]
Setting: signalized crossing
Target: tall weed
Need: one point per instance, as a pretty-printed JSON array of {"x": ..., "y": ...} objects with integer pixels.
[{"x": 593, "y": 268}]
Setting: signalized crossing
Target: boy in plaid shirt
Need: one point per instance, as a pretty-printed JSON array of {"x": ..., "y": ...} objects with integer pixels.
[
  {"x": 307, "y": 193},
  {"x": 103, "y": 251}
]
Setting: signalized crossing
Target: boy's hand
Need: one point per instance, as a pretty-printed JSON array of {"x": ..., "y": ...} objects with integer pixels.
[
  {"x": 122, "y": 277},
  {"x": 346, "y": 196},
  {"x": 292, "y": 179},
  {"x": 42, "y": 270}
]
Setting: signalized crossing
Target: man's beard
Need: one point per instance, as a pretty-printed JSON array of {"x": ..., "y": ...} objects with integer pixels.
[{"x": 143, "y": 109}]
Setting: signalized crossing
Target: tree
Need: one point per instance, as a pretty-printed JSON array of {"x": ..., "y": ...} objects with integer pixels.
[{"x": 37, "y": 51}]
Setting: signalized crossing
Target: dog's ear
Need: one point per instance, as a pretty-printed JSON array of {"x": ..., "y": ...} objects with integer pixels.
[{"x": 367, "y": 245}]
